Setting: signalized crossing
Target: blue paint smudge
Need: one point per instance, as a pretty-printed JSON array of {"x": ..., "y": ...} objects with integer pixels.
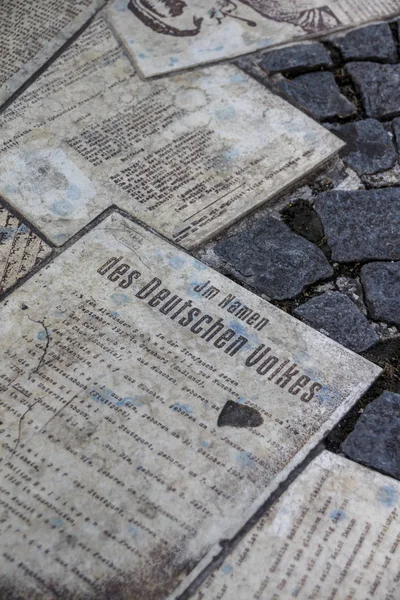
[
  {"x": 42, "y": 335},
  {"x": 227, "y": 569},
  {"x": 184, "y": 407},
  {"x": 135, "y": 401},
  {"x": 237, "y": 78},
  {"x": 227, "y": 113},
  {"x": 59, "y": 313},
  {"x": 199, "y": 266},
  {"x": 73, "y": 192},
  {"x": 6, "y": 232},
  {"x": 61, "y": 237},
  {"x": 204, "y": 444},
  {"x": 244, "y": 459},
  {"x": 23, "y": 228},
  {"x": 120, "y": 299},
  {"x": 231, "y": 154},
  {"x": 387, "y": 495},
  {"x": 337, "y": 515},
  {"x": 172, "y": 61},
  {"x": 133, "y": 530},
  {"x": 142, "y": 55},
  {"x": 62, "y": 208},
  {"x": 176, "y": 262},
  {"x": 57, "y": 522}
]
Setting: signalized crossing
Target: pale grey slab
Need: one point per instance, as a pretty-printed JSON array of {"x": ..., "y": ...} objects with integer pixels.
[
  {"x": 187, "y": 154},
  {"x": 333, "y": 535},
  {"x": 118, "y": 359},
  {"x": 31, "y": 32},
  {"x": 170, "y": 35},
  {"x": 20, "y": 249}
]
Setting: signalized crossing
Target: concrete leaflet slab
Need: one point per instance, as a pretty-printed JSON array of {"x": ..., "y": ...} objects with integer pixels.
[
  {"x": 20, "y": 249},
  {"x": 32, "y": 31},
  {"x": 333, "y": 535},
  {"x": 188, "y": 154},
  {"x": 170, "y": 35},
  {"x": 149, "y": 407}
]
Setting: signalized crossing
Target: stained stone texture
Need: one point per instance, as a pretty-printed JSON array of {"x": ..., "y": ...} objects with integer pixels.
[
  {"x": 169, "y": 36},
  {"x": 396, "y": 132},
  {"x": 334, "y": 534},
  {"x": 361, "y": 225},
  {"x": 20, "y": 249},
  {"x": 149, "y": 407},
  {"x": 375, "y": 441},
  {"x": 31, "y": 32},
  {"x": 369, "y": 147},
  {"x": 338, "y": 317},
  {"x": 374, "y": 42},
  {"x": 318, "y": 94},
  {"x": 301, "y": 57},
  {"x": 276, "y": 261},
  {"x": 381, "y": 282},
  {"x": 188, "y": 154},
  {"x": 379, "y": 86}
]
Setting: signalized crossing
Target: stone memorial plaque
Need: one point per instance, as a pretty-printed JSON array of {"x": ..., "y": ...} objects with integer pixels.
[
  {"x": 334, "y": 535},
  {"x": 31, "y": 31},
  {"x": 188, "y": 154},
  {"x": 20, "y": 249},
  {"x": 149, "y": 406},
  {"x": 169, "y": 35}
]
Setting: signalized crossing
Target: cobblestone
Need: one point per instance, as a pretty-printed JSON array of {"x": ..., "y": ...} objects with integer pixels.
[
  {"x": 318, "y": 94},
  {"x": 381, "y": 282},
  {"x": 374, "y": 42},
  {"x": 338, "y": 317},
  {"x": 361, "y": 225},
  {"x": 273, "y": 259},
  {"x": 375, "y": 439}
]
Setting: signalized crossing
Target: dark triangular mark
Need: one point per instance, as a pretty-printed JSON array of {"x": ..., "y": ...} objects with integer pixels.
[{"x": 239, "y": 415}]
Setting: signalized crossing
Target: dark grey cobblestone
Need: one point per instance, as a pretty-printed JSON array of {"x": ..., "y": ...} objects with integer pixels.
[
  {"x": 374, "y": 42},
  {"x": 273, "y": 259},
  {"x": 375, "y": 439},
  {"x": 296, "y": 58},
  {"x": 379, "y": 86},
  {"x": 361, "y": 225},
  {"x": 338, "y": 317},
  {"x": 318, "y": 94},
  {"x": 381, "y": 282},
  {"x": 369, "y": 147}
]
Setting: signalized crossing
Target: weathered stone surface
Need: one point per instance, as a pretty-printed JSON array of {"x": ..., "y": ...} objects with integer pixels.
[
  {"x": 361, "y": 225},
  {"x": 396, "y": 131},
  {"x": 379, "y": 86},
  {"x": 385, "y": 179},
  {"x": 374, "y": 42},
  {"x": 276, "y": 261},
  {"x": 301, "y": 57},
  {"x": 20, "y": 249},
  {"x": 188, "y": 154},
  {"x": 318, "y": 94},
  {"x": 116, "y": 362},
  {"x": 381, "y": 282},
  {"x": 31, "y": 32},
  {"x": 316, "y": 541},
  {"x": 169, "y": 36},
  {"x": 375, "y": 439},
  {"x": 369, "y": 147},
  {"x": 338, "y": 317}
]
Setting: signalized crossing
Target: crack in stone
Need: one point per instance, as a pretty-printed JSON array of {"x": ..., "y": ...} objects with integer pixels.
[{"x": 40, "y": 363}]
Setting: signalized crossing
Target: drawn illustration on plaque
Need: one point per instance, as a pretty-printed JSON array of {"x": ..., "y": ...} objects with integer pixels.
[{"x": 177, "y": 18}]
